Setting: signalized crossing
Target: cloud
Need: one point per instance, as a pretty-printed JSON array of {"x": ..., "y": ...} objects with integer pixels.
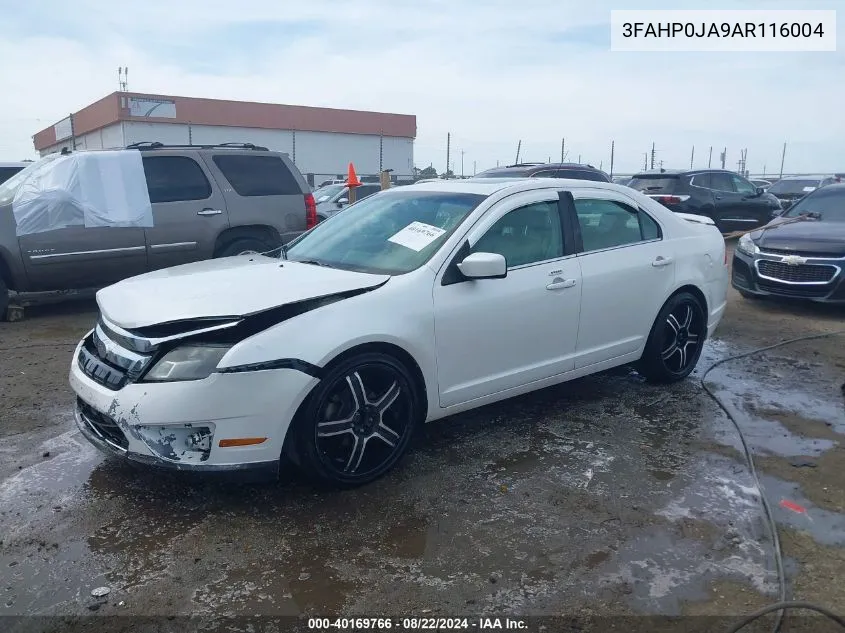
[{"x": 491, "y": 73}]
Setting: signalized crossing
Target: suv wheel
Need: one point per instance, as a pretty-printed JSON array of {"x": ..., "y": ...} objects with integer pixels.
[
  {"x": 243, "y": 246},
  {"x": 4, "y": 299}
]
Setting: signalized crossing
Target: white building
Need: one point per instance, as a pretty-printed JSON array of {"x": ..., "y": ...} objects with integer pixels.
[{"x": 321, "y": 141}]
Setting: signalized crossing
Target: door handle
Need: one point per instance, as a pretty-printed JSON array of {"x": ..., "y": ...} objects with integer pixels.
[
  {"x": 208, "y": 211},
  {"x": 718, "y": 197},
  {"x": 661, "y": 261},
  {"x": 559, "y": 284}
]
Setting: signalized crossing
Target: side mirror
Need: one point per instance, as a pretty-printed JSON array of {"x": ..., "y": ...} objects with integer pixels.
[
  {"x": 484, "y": 266},
  {"x": 343, "y": 201},
  {"x": 760, "y": 191}
]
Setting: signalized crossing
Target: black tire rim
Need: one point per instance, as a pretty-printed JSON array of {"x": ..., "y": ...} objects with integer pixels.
[
  {"x": 683, "y": 337},
  {"x": 363, "y": 421}
]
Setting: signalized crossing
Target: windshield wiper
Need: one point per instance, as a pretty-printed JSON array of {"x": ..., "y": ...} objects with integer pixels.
[{"x": 313, "y": 262}]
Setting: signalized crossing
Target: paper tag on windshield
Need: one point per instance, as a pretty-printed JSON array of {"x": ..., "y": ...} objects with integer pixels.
[
  {"x": 416, "y": 236},
  {"x": 808, "y": 189}
]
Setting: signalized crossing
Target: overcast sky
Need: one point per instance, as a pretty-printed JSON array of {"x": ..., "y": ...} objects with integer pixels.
[{"x": 490, "y": 72}]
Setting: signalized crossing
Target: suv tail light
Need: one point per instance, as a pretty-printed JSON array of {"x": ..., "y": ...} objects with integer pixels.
[
  {"x": 310, "y": 211},
  {"x": 671, "y": 199}
]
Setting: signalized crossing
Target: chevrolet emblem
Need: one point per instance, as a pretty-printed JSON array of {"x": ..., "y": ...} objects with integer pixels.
[{"x": 794, "y": 260}]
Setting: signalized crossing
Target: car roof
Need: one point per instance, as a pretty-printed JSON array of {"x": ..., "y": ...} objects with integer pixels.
[
  {"x": 809, "y": 177},
  {"x": 14, "y": 164},
  {"x": 540, "y": 167},
  {"x": 838, "y": 186},
  {"x": 680, "y": 172},
  {"x": 489, "y": 186}
]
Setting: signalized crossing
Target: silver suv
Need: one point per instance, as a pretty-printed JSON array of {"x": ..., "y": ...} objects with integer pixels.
[{"x": 207, "y": 202}]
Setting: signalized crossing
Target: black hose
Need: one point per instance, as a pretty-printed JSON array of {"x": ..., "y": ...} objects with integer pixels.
[
  {"x": 780, "y": 606},
  {"x": 783, "y": 603}
]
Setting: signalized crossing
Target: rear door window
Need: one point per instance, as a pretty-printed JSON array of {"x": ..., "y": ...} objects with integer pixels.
[
  {"x": 175, "y": 179},
  {"x": 701, "y": 180},
  {"x": 721, "y": 182},
  {"x": 257, "y": 175},
  {"x": 653, "y": 184},
  {"x": 610, "y": 224}
]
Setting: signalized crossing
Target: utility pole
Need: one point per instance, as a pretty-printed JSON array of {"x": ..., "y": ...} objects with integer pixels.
[
  {"x": 462, "y": 163},
  {"x": 579, "y": 159},
  {"x": 612, "y": 147},
  {"x": 661, "y": 164},
  {"x": 782, "y": 159},
  {"x": 710, "y": 157},
  {"x": 692, "y": 157},
  {"x": 448, "y": 143},
  {"x": 724, "y": 157},
  {"x": 645, "y": 160},
  {"x": 72, "y": 132},
  {"x": 518, "y": 147},
  {"x": 652, "y": 155},
  {"x": 562, "y": 153},
  {"x": 473, "y": 168}
]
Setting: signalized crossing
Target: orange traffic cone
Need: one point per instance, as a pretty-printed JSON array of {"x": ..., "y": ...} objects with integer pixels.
[{"x": 352, "y": 179}]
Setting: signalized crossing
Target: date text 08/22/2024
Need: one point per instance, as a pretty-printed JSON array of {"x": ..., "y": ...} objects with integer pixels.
[{"x": 414, "y": 624}]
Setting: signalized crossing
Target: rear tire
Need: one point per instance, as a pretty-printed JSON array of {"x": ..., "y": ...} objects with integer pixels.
[
  {"x": 4, "y": 300},
  {"x": 357, "y": 422},
  {"x": 676, "y": 340},
  {"x": 244, "y": 246}
]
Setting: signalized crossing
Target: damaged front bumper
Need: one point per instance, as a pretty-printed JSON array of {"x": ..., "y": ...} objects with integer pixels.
[
  {"x": 93, "y": 432},
  {"x": 196, "y": 426}
]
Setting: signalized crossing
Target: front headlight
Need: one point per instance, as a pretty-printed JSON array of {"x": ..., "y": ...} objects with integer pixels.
[
  {"x": 190, "y": 362},
  {"x": 747, "y": 245}
]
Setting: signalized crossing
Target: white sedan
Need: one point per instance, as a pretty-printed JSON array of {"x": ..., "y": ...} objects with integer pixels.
[{"x": 411, "y": 305}]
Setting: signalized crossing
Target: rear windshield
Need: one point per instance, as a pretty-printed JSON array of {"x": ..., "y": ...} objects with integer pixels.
[
  {"x": 653, "y": 184},
  {"x": 794, "y": 186},
  {"x": 500, "y": 173}
]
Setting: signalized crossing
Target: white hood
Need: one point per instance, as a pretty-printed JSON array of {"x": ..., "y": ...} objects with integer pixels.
[{"x": 230, "y": 286}]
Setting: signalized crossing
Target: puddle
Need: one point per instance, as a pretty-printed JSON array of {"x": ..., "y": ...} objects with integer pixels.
[{"x": 826, "y": 527}]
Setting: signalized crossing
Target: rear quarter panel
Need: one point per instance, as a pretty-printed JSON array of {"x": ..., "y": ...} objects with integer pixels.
[
  {"x": 699, "y": 253},
  {"x": 284, "y": 213}
]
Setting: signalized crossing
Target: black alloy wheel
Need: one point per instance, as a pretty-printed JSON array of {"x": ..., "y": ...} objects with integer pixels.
[
  {"x": 676, "y": 340},
  {"x": 358, "y": 421}
]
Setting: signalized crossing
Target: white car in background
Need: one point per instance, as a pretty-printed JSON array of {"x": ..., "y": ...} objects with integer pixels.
[{"x": 411, "y": 305}]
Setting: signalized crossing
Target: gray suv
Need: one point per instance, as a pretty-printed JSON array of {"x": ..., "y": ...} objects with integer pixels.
[{"x": 207, "y": 202}]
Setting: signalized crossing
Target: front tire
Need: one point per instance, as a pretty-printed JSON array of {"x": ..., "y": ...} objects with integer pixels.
[
  {"x": 358, "y": 421},
  {"x": 676, "y": 340}
]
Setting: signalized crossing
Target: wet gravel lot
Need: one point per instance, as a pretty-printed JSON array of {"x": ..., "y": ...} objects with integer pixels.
[{"x": 603, "y": 495}]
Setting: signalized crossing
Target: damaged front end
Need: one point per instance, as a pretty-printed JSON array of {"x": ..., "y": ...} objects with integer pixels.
[
  {"x": 160, "y": 395},
  {"x": 114, "y": 358}
]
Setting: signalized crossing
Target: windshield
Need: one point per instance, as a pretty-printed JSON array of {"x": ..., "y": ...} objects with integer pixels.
[
  {"x": 392, "y": 232},
  {"x": 9, "y": 188},
  {"x": 323, "y": 194},
  {"x": 799, "y": 187},
  {"x": 829, "y": 203},
  {"x": 649, "y": 184}
]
